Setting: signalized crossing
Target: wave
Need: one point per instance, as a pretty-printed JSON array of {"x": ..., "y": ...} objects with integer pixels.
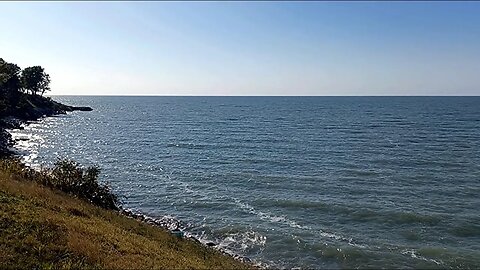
[
  {"x": 269, "y": 216},
  {"x": 243, "y": 240},
  {"x": 293, "y": 224},
  {"x": 466, "y": 230},
  {"x": 294, "y": 204},
  {"x": 228, "y": 243},
  {"x": 412, "y": 253},
  {"x": 191, "y": 145},
  {"x": 356, "y": 212}
]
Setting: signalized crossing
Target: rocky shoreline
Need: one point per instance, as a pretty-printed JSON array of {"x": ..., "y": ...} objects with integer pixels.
[
  {"x": 40, "y": 107},
  {"x": 175, "y": 227}
]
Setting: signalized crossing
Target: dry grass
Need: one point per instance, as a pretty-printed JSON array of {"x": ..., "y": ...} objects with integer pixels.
[{"x": 45, "y": 228}]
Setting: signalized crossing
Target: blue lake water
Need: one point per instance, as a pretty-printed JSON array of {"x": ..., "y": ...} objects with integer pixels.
[{"x": 311, "y": 182}]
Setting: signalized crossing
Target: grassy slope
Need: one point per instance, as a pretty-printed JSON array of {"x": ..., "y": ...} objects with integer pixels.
[{"x": 40, "y": 227}]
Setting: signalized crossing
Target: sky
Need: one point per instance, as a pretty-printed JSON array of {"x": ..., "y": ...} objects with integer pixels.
[{"x": 247, "y": 48}]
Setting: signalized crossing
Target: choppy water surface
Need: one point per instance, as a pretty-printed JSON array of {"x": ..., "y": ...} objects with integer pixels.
[{"x": 314, "y": 182}]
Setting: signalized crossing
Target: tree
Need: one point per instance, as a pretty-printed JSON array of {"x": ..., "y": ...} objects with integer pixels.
[
  {"x": 9, "y": 86},
  {"x": 35, "y": 80},
  {"x": 9, "y": 77}
]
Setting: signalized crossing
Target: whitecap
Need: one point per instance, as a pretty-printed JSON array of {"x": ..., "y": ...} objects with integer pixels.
[{"x": 413, "y": 254}]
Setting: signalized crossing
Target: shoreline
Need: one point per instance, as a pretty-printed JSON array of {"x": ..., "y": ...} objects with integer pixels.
[
  {"x": 172, "y": 226},
  {"x": 43, "y": 227},
  {"x": 38, "y": 107},
  {"x": 169, "y": 223}
]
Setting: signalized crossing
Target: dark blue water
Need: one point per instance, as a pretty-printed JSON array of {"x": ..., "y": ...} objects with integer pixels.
[{"x": 314, "y": 182}]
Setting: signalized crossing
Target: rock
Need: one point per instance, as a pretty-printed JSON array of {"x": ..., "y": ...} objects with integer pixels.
[
  {"x": 5, "y": 142},
  {"x": 11, "y": 123},
  {"x": 178, "y": 233},
  {"x": 85, "y": 109}
]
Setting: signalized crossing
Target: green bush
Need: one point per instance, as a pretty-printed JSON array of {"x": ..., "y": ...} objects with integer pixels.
[
  {"x": 67, "y": 176},
  {"x": 70, "y": 177}
]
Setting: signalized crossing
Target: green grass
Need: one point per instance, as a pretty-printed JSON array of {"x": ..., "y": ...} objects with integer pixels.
[{"x": 41, "y": 227}]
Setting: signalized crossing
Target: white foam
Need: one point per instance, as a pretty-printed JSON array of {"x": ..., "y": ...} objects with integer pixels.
[
  {"x": 245, "y": 240},
  {"x": 413, "y": 254},
  {"x": 268, "y": 216}
]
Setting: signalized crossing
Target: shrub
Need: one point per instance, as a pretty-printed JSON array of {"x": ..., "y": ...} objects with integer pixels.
[
  {"x": 67, "y": 176},
  {"x": 70, "y": 177}
]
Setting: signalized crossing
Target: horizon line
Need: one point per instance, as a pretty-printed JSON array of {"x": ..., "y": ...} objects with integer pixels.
[{"x": 58, "y": 95}]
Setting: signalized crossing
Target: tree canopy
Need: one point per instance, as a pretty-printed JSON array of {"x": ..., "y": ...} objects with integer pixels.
[
  {"x": 18, "y": 87},
  {"x": 35, "y": 80},
  {"x": 9, "y": 77},
  {"x": 13, "y": 79}
]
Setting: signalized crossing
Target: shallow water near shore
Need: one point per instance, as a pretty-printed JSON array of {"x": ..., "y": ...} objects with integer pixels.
[{"x": 310, "y": 182}]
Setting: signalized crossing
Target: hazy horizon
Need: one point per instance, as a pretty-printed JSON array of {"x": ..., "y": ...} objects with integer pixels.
[{"x": 248, "y": 48}]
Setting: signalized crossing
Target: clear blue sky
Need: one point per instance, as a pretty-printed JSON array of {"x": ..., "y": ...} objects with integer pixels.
[{"x": 248, "y": 48}]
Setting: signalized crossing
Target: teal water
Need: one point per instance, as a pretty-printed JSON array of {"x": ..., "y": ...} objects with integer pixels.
[{"x": 311, "y": 182}]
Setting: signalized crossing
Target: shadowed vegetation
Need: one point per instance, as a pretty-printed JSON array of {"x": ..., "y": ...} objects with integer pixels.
[{"x": 20, "y": 89}]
